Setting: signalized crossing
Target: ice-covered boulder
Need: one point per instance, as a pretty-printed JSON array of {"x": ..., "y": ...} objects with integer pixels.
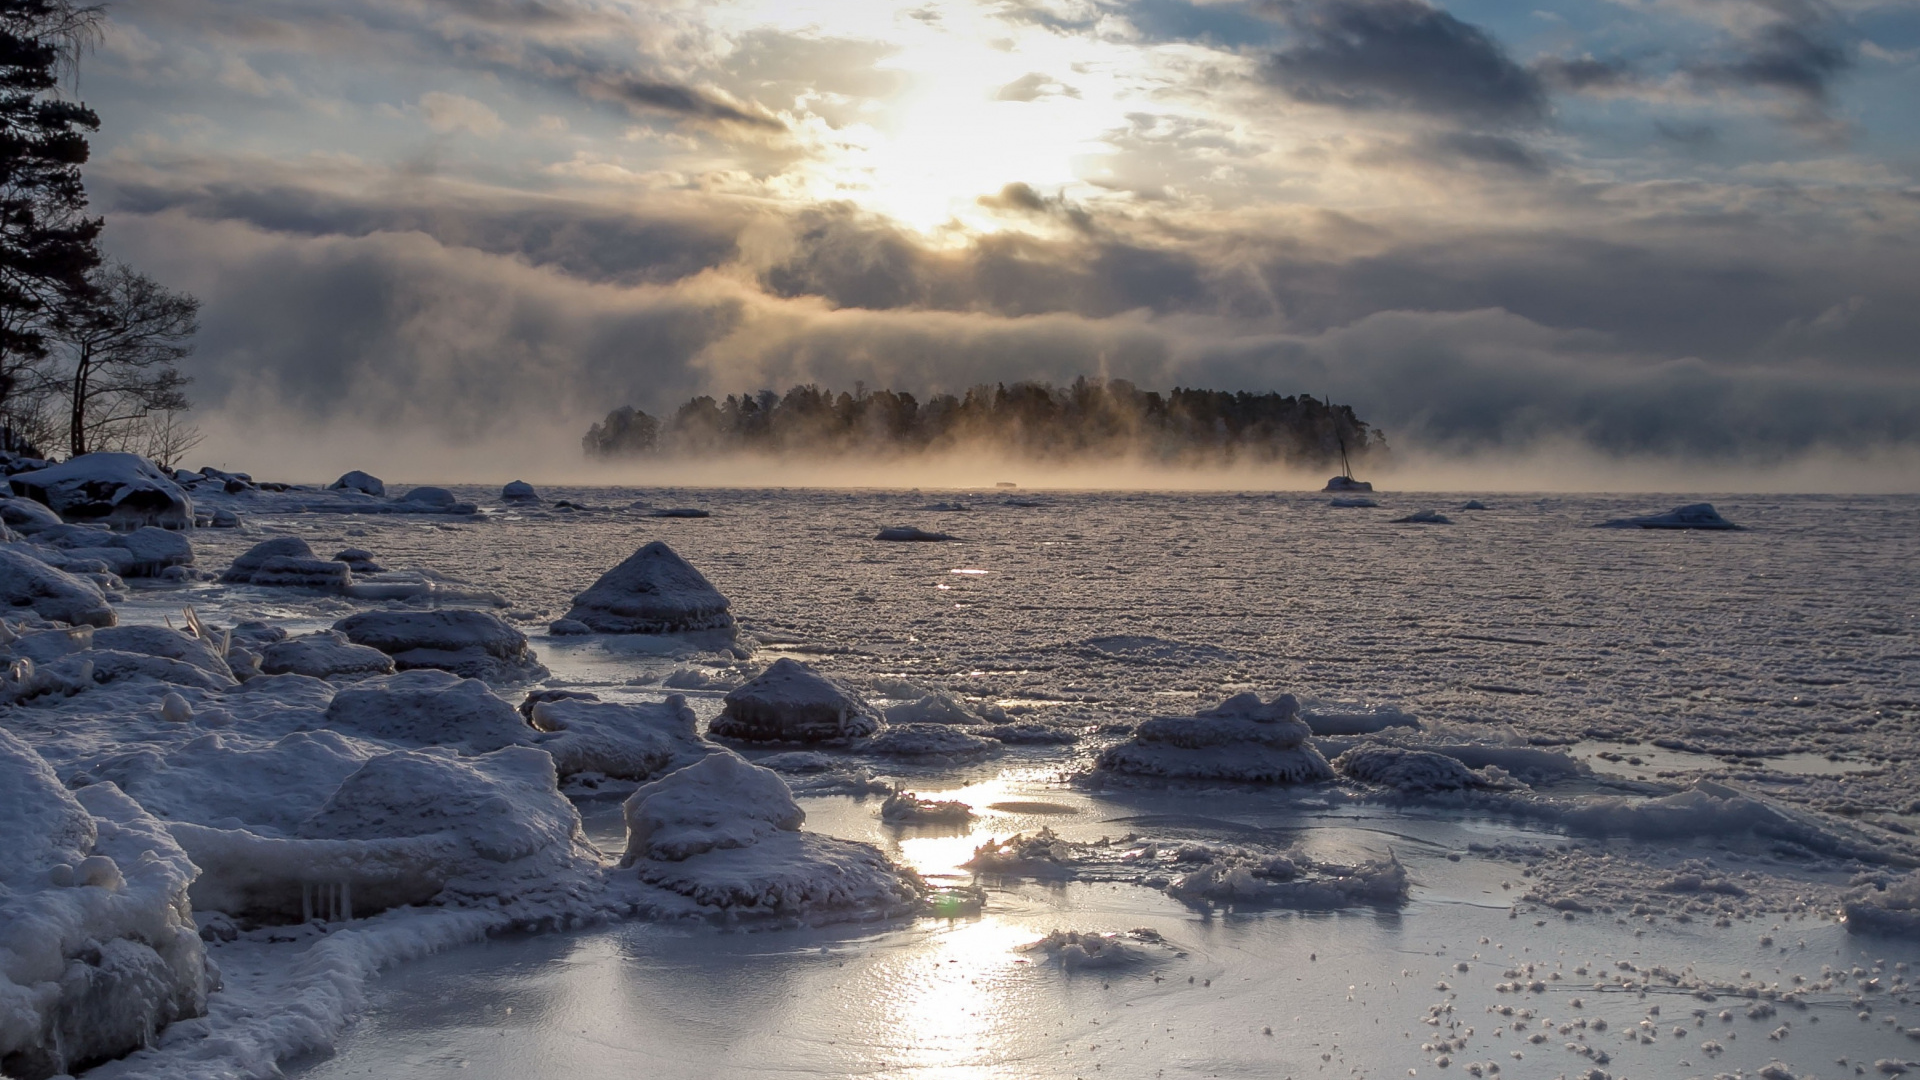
[
  {"x": 1692, "y": 516},
  {"x": 634, "y": 741},
  {"x": 476, "y": 644},
  {"x": 365, "y": 483},
  {"x": 910, "y": 535},
  {"x": 1345, "y": 483},
  {"x": 229, "y": 781},
  {"x": 1408, "y": 770},
  {"x": 1242, "y": 739},
  {"x": 427, "y": 708},
  {"x": 26, "y": 583},
  {"x": 324, "y": 655},
  {"x": 98, "y": 950},
  {"x": 25, "y": 516},
  {"x": 722, "y": 836},
  {"x": 930, "y": 741},
  {"x": 654, "y": 591},
  {"x": 169, "y": 644},
  {"x": 406, "y": 827},
  {"x": 359, "y": 560},
  {"x": 1424, "y": 517},
  {"x": 519, "y": 491},
  {"x": 437, "y": 497},
  {"x": 124, "y": 491},
  {"x": 791, "y": 702},
  {"x": 287, "y": 562}
]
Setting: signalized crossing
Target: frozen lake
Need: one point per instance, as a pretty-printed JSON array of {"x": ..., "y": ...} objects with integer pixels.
[{"x": 1782, "y": 659}]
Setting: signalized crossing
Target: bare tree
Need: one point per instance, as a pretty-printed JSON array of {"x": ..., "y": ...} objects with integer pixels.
[{"x": 122, "y": 349}]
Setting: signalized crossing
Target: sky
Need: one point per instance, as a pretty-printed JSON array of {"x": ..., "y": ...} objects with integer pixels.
[{"x": 1646, "y": 230}]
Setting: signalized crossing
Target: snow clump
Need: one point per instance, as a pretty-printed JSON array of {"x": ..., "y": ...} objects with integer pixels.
[
  {"x": 653, "y": 592},
  {"x": 791, "y": 702},
  {"x": 723, "y": 836},
  {"x": 1242, "y": 739},
  {"x": 474, "y": 644}
]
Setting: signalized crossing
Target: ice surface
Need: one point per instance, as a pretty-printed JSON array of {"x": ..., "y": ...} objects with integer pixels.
[
  {"x": 791, "y": 702},
  {"x": 1242, "y": 739},
  {"x": 475, "y": 644},
  {"x": 930, "y": 741},
  {"x": 1692, "y": 516},
  {"x": 653, "y": 592},
  {"x": 125, "y": 491}
]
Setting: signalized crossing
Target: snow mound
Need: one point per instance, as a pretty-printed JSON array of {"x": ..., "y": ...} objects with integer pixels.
[
  {"x": 790, "y": 702},
  {"x": 124, "y": 491},
  {"x": 1692, "y": 516},
  {"x": 407, "y": 827},
  {"x": 25, "y": 516},
  {"x": 474, "y": 644},
  {"x": 1077, "y": 949},
  {"x": 930, "y": 741},
  {"x": 723, "y": 836},
  {"x": 1408, "y": 770},
  {"x": 1347, "y": 483},
  {"x": 519, "y": 491},
  {"x": 98, "y": 950},
  {"x": 908, "y": 808},
  {"x": 1424, "y": 517},
  {"x": 27, "y": 582},
  {"x": 324, "y": 655},
  {"x": 653, "y": 592},
  {"x": 365, "y": 483},
  {"x": 625, "y": 741},
  {"x": 144, "y": 552},
  {"x": 1243, "y": 739},
  {"x": 287, "y": 562},
  {"x": 427, "y": 708},
  {"x": 909, "y": 534},
  {"x": 1891, "y": 908}
]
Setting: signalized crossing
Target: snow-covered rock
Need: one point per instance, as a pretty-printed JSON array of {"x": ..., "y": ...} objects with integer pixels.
[
  {"x": 723, "y": 836},
  {"x": 227, "y": 780},
  {"x": 1692, "y": 516},
  {"x": 437, "y": 497},
  {"x": 98, "y": 950},
  {"x": 168, "y": 644},
  {"x": 1407, "y": 769},
  {"x": 1241, "y": 739},
  {"x": 287, "y": 562},
  {"x": 25, "y": 516},
  {"x": 476, "y": 644},
  {"x": 427, "y": 708},
  {"x": 519, "y": 491},
  {"x": 323, "y": 655},
  {"x": 366, "y": 483},
  {"x": 124, "y": 491},
  {"x": 27, "y": 583},
  {"x": 1347, "y": 483},
  {"x": 791, "y": 702},
  {"x": 909, "y": 534},
  {"x": 653, "y": 592},
  {"x": 359, "y": 560},
  {"x": 635, "y": 741},
  {"x": 1424, "y": 517}
]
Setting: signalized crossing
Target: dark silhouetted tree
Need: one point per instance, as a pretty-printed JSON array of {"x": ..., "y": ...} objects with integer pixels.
[
  {"x": 123, "y": 344},
  {"x": 48, "y": 245}
]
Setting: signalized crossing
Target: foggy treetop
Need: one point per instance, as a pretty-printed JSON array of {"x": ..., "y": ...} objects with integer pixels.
[{"x": 1090, "y": 418}]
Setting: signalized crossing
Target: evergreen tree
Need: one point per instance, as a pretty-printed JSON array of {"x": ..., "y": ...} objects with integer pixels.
[{"x": 48, "y": 245}]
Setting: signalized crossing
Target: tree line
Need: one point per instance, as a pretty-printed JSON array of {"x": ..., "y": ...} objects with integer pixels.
[
  {"x": 89, "y": 346},
  {"x": 1089, "y": 419}
]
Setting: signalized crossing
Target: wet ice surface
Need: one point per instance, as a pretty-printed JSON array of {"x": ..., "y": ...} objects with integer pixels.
[
  {"x": 1783, "y": 658},
  {"x": 1228, "y": 994}
]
